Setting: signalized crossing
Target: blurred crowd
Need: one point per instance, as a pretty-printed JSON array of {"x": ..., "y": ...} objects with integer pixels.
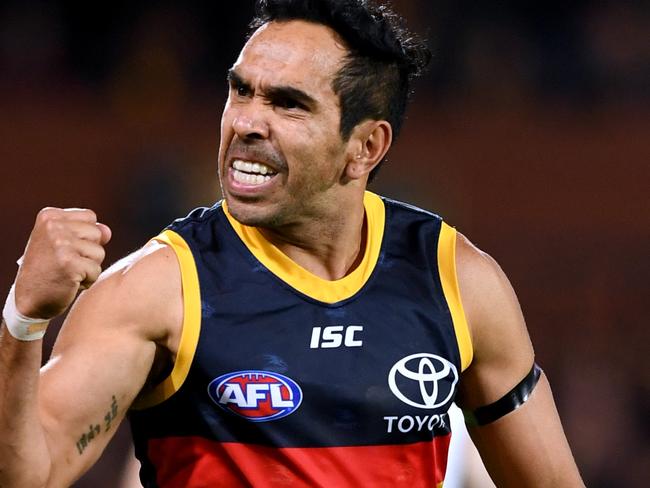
[{"x": 530, "y": 133}]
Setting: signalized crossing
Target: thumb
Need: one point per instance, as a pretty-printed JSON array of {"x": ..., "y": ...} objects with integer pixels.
[{"x": 106, "y": 233}]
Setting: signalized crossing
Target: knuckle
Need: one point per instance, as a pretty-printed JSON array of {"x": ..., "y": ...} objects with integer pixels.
[
  {"x": 61, "y": 242},
  {"x": 101, "y": 254},
  {"x": 95, "y": 235},
  {"x": 52, "y": 226},
  {"x": 89, "y": 214},
  {"x": 65, "y": 258},
  {"x": 47, "y": 214}
]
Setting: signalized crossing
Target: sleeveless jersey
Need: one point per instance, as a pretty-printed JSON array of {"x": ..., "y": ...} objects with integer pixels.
[{"x": 286, "y": 379}]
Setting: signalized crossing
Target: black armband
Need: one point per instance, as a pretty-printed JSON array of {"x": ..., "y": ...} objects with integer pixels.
[{"x": 510, "y": 402}]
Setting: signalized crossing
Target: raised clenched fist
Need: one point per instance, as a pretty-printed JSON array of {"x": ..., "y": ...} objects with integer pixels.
[{"x": 64, "y": 253}]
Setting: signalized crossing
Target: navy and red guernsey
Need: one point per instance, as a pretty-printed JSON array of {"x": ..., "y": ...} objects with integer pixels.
[{"x": 285, "y": 379}]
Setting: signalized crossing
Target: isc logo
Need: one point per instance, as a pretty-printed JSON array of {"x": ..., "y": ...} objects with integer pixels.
[
  {"x": 335, "y": 336},
  {"x": 256, "y": 395}
]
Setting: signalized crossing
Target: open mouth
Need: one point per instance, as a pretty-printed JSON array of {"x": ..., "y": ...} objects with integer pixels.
[{"x": 249, "y": 173}]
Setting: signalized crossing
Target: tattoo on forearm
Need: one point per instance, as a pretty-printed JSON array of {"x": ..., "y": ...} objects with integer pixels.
[
  {"x": 94, "y": 429},
  {"x": 110, "y": 415},
  {"x": 87, "y": 437}
]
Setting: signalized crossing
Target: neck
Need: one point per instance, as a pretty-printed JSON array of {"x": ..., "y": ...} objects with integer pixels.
[{"x": 330, "y": 247}]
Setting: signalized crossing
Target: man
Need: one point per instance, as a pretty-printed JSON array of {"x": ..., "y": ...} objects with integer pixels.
[{"x": 304, "y": 332}]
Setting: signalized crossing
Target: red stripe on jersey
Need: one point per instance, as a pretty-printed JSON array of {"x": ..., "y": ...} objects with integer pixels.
[{"x": 195, "y": 462}]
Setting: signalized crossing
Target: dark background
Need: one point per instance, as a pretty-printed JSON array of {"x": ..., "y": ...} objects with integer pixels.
[{"x": 530, "y": 134}]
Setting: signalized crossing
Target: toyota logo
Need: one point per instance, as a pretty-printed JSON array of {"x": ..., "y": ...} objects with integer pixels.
[{"x": 428, "y": 372}]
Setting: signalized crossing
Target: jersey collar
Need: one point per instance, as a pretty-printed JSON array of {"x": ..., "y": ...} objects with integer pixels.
[{"x": 303, "y": 280}]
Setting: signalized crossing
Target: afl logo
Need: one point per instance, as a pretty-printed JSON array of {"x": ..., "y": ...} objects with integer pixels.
[
  {"x": 257, "y": 396},
  {"x": 423, "y": 380}
]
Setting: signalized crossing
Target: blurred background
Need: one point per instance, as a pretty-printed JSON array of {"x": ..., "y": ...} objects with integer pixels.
[{"x": 530, "y": 134}]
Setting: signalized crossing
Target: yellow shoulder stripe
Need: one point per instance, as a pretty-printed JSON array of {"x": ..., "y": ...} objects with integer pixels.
[
  {"x": 449, "y": 280},
  {"x": 303, "y": 280},
  {"x": 191, "y": 323}
]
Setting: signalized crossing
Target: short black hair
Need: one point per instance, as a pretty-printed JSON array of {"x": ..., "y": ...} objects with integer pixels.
[{"x": 375, "y": 80}]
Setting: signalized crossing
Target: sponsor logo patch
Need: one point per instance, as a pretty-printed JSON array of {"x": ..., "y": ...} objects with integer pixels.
[
  {"x": 423, "y": 380},
  {"x": 258, "y": 396},
  {"x": 335, "y": 336}
]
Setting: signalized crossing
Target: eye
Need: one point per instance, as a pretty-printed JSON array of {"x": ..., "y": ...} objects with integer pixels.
[
  {"x": 242, "y": 91},
  {"x": 289, "y": 104}
]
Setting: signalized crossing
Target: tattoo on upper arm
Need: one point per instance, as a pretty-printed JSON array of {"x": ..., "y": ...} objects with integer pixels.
[{"x": 94, "y": 429}]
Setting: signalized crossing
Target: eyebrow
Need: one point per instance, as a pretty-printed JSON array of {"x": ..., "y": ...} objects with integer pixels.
[
  {"x": 236, "y": 80},
  {"x": 275, "y": 92}
]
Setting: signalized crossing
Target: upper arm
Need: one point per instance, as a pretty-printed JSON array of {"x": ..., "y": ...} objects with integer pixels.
[
  {"x": 526, "y": 447},
  {"x": 503, "y": 353},
  {"x": 103, "y": 356}
]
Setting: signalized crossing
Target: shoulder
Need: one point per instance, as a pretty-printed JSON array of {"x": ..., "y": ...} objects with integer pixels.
[
  {"x": 408, "y": 209},
  {"x": 480, "y": 277},
  {"x": 198, "y": 217},
  {"x": 487, "y": 295}
]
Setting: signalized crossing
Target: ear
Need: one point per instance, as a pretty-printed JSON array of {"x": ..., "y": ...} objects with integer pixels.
[{"x": 369, "y": 143}]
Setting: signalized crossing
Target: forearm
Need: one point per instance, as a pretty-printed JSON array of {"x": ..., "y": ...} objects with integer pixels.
[
  {"x": 527, "y": 447},
  {"x": 25, "y": 459}
]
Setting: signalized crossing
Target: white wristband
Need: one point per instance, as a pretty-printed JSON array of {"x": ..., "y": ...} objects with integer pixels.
[{"x": 21, "y": 327}]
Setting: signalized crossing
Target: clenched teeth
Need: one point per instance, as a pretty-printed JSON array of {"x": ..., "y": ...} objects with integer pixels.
[
  {"x": 254, "y": 168},
  {"x": 249, "y": 179}
]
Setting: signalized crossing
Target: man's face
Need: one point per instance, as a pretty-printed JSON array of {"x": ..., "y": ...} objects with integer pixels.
[{"x": 281, "y": 157}]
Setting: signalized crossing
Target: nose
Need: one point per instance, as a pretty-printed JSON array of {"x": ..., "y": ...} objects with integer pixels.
[{"x": 249, "y": 124}]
